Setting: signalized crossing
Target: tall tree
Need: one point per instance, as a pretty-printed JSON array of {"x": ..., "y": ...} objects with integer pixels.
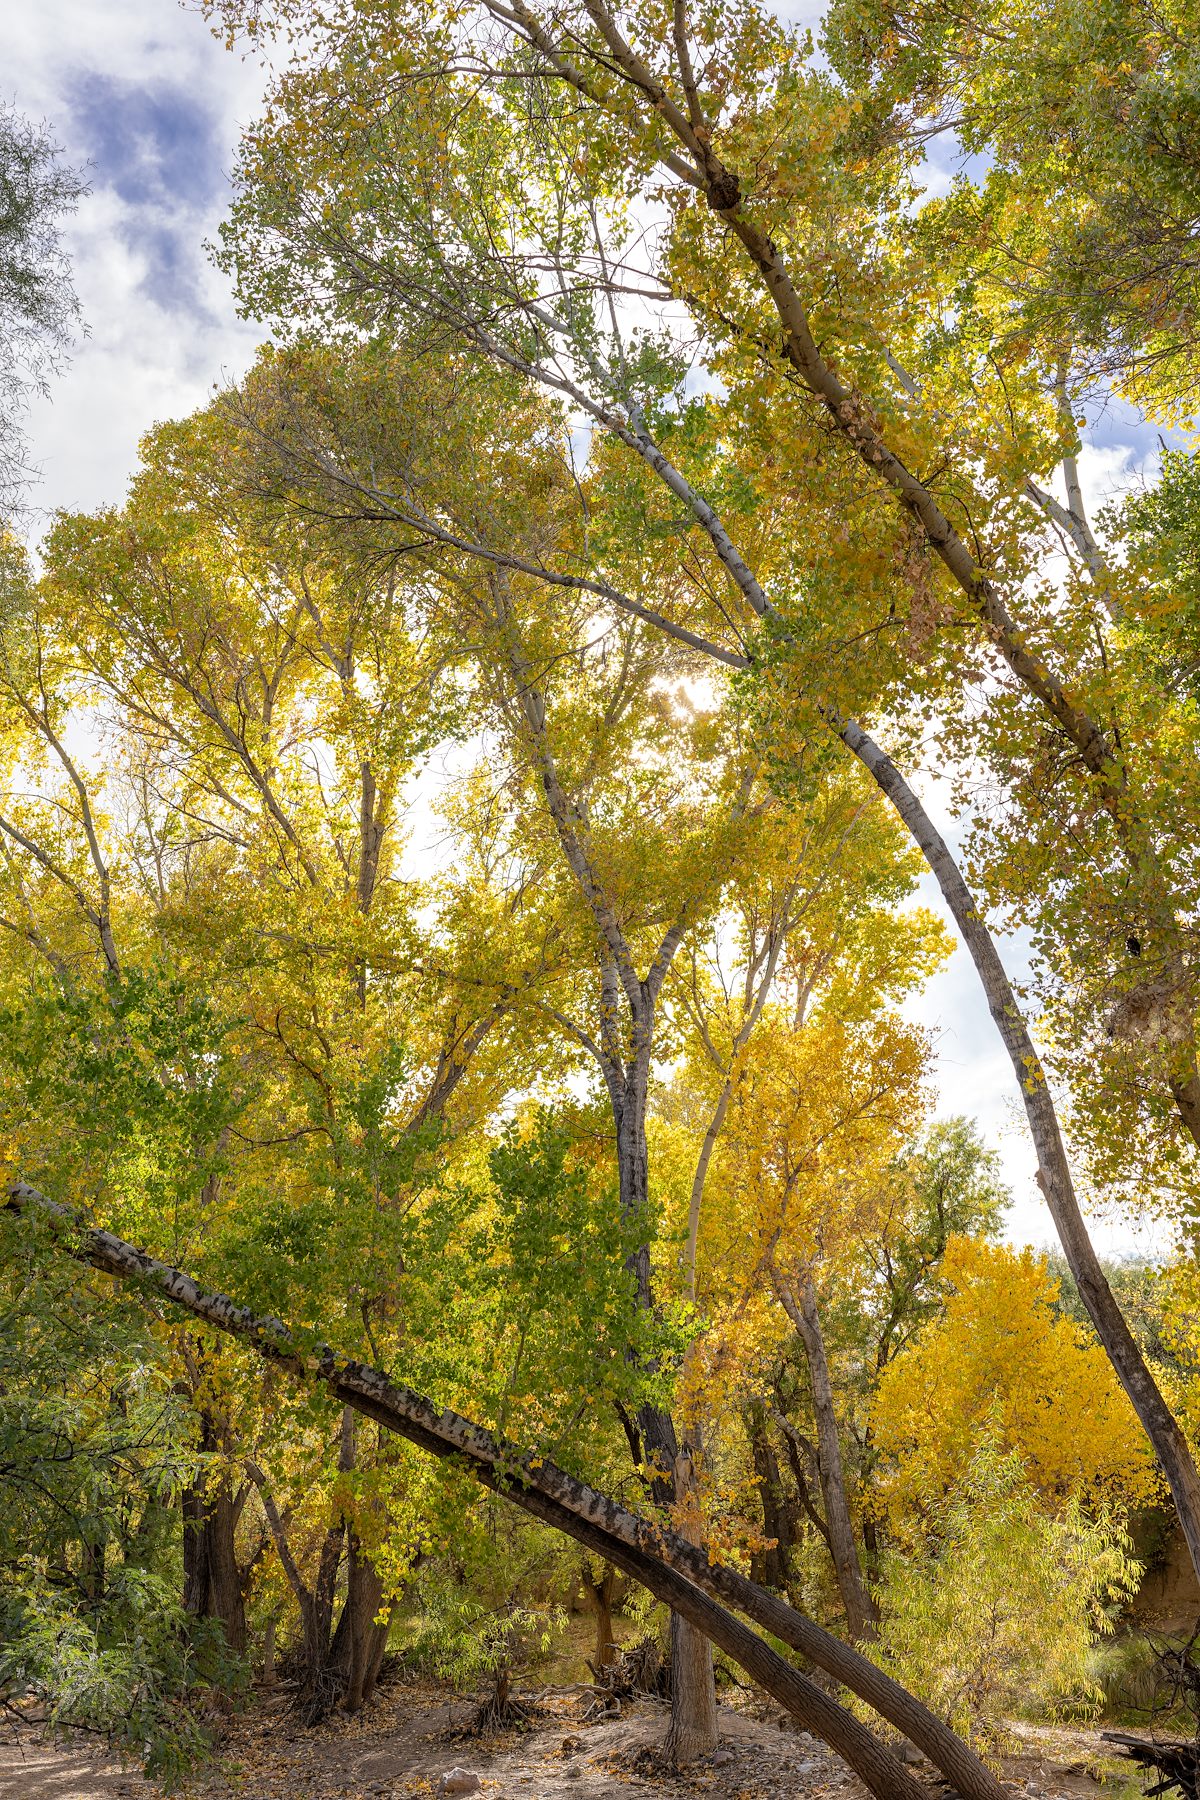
[{"x": 849, "y": 412}]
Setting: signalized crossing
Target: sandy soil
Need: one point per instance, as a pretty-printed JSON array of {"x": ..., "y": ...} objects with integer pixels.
[
  {"x": 405, "y": 1744},
  {"x": 31, "y": 1770}
]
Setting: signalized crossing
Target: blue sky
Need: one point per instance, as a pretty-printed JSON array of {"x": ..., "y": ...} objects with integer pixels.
[{"x": 142, "y": 93}]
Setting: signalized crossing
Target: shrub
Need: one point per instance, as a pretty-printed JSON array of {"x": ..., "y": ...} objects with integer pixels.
[{"x": 998, "y": 1608}]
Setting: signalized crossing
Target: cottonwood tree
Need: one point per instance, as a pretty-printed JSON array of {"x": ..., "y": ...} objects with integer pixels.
[
  {"x": 817, "y": 1099},
  {"x": 528, "y": 181},
  {"x": 227, "y": 859},
  {"x": 518, "y": 1286},
  {"x": 660, "y": 820},
  {"x": 674, "y": 1570}
]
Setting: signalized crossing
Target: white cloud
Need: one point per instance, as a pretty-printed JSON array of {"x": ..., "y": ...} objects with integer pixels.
[{"x": 146, "y": 97}]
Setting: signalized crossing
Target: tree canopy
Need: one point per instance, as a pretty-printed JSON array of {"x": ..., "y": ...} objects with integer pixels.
[{"x": 462, "y": 815}]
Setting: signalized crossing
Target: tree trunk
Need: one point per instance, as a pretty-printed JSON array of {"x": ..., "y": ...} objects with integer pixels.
[
  {"x": 692, "y": 1732},
  {"x": 320, "y": 1685},
  {"x": 1054, "y": 1171},
  {"x": 376, "y": 1651},
  {"x": 600, "y": 1594},
  {"x": 212, "y": 1582},
  {"x": 1185, "y": 1090},
  {"x": 674, "y": 1571},
  {"x": 342, "y": 1662},
  {"x": 804, "y": 1314},
  {"x": 693, "y": 1728},
  {"x": 358, "y": 1643},
  {"x": 770, "y": 1564},
  {"x": 91, "y": 1569}
]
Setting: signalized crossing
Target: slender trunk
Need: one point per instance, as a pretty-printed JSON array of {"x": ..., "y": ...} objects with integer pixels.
[
  {"x": 674, "y": 1571},
  {"x": 802, "y": 1460},
  {"x": 320, "y": 1683},
  {"x": 692, "y": 1731},
  {"x": 600, "y": 1594},
  {"x": 356, "y": 1650},
  {"x": 805, "y": 1315},
  {"x": 1054, "y": 1171},
  {"x": 91, "y": 1568},
  {"x": 698, "y": 1183},
  {"x": 870, "y": 1538},
  {"x": 769, "y": 1566},
  {"x": 752, "y": 1011}
]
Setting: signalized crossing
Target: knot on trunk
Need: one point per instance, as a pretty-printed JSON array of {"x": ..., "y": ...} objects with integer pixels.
[
  {"x": 1156, "y": 1011},
  {"x": 724, "y": 191}
]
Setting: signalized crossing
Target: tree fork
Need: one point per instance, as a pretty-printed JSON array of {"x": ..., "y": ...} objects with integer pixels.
[{"x": 676, "y": 1572}]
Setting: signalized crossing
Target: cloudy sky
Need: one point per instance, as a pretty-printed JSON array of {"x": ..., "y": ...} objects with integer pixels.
[
  {"x": 144, "y": 96},
  {"x": 141, "y": 93}
]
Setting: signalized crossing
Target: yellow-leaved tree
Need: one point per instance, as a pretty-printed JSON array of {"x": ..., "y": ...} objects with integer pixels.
[
  {"x": 1009, "y": 1462},
  {"x": 1001, "y": 1361}
]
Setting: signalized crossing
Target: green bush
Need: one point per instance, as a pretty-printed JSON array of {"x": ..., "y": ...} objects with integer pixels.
[{"x": 999, "y": 1607}]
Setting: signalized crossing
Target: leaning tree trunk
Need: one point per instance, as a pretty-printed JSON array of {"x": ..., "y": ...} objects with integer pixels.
[
  {"x": 1054, "y": 1170},
  {"x": 805, "y": 1315},
  {"x": 674, "y": 1571}
]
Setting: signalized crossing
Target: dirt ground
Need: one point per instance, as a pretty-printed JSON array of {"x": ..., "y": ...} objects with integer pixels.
[{"x": 404, "y": 1744}]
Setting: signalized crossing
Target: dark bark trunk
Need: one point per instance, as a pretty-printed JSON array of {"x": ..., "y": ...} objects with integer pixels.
[
  {"x": 341, "y": 1664},
  {"x": 770, "y": 1565},
  {"x": 212, "y": 1581},
  {"x": 802, "y": 1310},
  {"x": 802, "y": 1461},
  {"x": 358, "y": 1643},
  {"x": 674, "y": 1571},
  {"x": 318, "y": 1622},
  {"x": 600, "y": 1594},
  {"x": 91, "y": 1569},
  {"x": 321, "y": 1684},
  {"x": 870, "y": 1538}
]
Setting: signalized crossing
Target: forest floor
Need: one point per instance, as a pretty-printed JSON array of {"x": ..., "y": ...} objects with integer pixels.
[{"x": 405, "y": 1743}]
